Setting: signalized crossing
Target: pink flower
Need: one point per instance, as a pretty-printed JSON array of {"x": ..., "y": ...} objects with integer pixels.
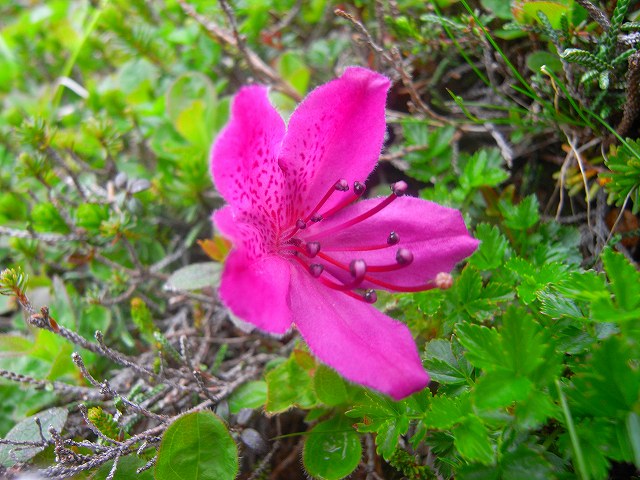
[{"x": 306, "y": 253}]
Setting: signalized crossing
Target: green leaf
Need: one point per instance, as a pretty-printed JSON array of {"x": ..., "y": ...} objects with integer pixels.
[
  {"x": 444, "y": 366},
  {"x": 483, "y": 168},
  {"x": 191, "y": 104},
  {"x": 500, "y": 389},
  {"x": 249, "y": 395},
  {"x": 332, "y": 449},
  {"x": 385, "y": 417},
  {"x": 471, "y": 438},
  {"x": 492, "y": 249},
  {"x": 46, "y": 218},
  {"x": 625, "y": 280},
  {"x": 484, "y": 345},
  {"x": 289, "y": 385},
  {"x": 445, "y": 412},
  {"x": 293, "y": 69},
  {"x": 197, "y": 446},
  {"x": 91, "y": 216},
  {"x": 27, "y": 431},
  {"x": 521, "y": 216},
  {"x": 330, "y": 388},
  {"x": 195, "y": 276}
]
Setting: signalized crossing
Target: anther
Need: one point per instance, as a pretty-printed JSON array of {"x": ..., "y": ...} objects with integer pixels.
[
  {"x": 404, "y": 256},
  {"x": 342, "y": 185},
  {"x": 312, "y": 248},
  {"x": 393, "y": 238},
  {"x": 370, "y": 296},
  {"x": 315, "y": 269},
  {"x": 444, "y": 280},
  {"x": 301, "y": 224},
  {"x": 358, "y": 188},
  {"x": 358, "y": 269},
  {"x": 316, "y": 218},
  {"x": 399, "y": 188}
]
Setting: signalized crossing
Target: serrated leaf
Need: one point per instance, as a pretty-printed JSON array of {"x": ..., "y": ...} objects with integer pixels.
[
  {"x": 197, "y": 446},
  {"x": 624, "y": 278},
  {"x": 483, "y": 168},
  {"x": 332, "y": 449},
  {"x": 445, "y": 412},
  {"x": 491, "y": 251},
  {"x": 521, "y": 216},
  {"x": 471, "y": 438},
  {"x": 195, "y": 277},
  {"x": 27, "y": 431},
  {"x": 445, "y": 367}
]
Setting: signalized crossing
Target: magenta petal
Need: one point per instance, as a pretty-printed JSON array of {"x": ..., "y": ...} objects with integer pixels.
[
  {"x": 361, "y": 343},
  {"x": 436, "y": 235},
  {"x": 257, "y": 290},
  {"x": 335, "y": 133},
  {"x": 244, "y": 157}
]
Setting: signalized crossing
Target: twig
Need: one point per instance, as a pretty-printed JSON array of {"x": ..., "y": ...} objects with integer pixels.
[
  {"x": 44, "y": 237},
  {"x": 597, "y": 14},
  {"x": 254, "y": 61}
]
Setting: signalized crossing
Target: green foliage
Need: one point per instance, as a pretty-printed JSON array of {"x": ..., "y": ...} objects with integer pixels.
[
  {"x": 198, "y": 446},
  {"x": 623, "y": 178},
  {"x": 332, "y": 449}
]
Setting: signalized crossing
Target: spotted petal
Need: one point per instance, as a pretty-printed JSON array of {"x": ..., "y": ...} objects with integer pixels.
[
  {"x": 336, "y": 132},
  {"x": 244, "y": 158}
]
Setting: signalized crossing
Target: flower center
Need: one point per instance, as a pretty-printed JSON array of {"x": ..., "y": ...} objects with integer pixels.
[{"x": 355, "y": 277}]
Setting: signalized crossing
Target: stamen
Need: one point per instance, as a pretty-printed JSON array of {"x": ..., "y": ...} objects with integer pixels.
[
  {"x": 317, "y": 218},
  {"x": 358, "y": 190},
  {"x": 358, "y": 269},
  {"x": 312, "y": 248},
  {"x": 364, "y": 215},
  {"x": 315, "y": 269},
  {"x": 399, "y": 188},
  {"x": 444, "y": 280},
  {"x": 301, "y": 224},
  {"x": 370, "y": 296},
  {"x": 404, "y": 256},
  {"x": 391, "y": 240},
  {"x": 338, "y": 186}
]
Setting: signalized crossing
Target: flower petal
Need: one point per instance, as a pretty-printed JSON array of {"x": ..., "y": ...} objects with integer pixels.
[
  {"x": 244, "y": 157},
  {"x": 361, "y": 343},
  {"x": 246, "y": 234},
  {"x": 257, "y": 290},
  {"x": 436, "y": 235},
  {"x": 336, "y": 132}
]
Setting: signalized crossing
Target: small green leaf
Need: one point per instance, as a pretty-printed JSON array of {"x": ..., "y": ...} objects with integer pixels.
[
  {"x": 332, "y": 449},
  {"x": 91, "y": 216},
  {"x": 195, "y": 276},
  {"x": 521, "y": 216},
  {"x": 289, "y": 385},
  {"x": 493, "y": 247},
  {"x": 27, "y": 431},
  {"x": 197, "y": 446},
  {"x": 625, "y": 280},
  {"x": 471, "y": 438},
  {"x": 500, "y": 389},
  {"x": 444, "y": 366},
  {"x": 329, "y": 386},
  {"x": 46, "y": 218},
  {"x": 248, "y": 395}
]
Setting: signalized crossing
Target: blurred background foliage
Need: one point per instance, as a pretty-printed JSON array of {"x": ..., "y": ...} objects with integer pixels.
[{"x": 523, "y": 114}]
